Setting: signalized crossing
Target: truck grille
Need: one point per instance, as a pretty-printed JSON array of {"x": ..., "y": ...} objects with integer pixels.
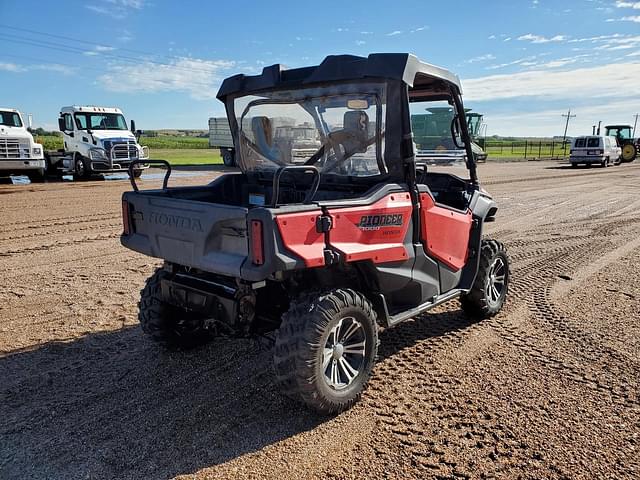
[
  {"x": 10, "y": 149},
  {"x": 124, "y": 151}
]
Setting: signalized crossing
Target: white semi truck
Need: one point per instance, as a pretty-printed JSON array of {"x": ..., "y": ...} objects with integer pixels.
[
  {"x": 96, "y": 140},
  {"x": 19, "y": 153}
]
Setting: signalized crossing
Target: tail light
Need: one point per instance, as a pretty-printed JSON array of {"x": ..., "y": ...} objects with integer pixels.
[
  {"x": 126, "y": 218},
  {"x": 257, "y": 243}
]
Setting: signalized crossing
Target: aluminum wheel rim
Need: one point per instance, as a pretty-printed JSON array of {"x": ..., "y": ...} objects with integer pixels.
[
  {"x": 497, "y": 281},
  {"x": 344, "y": 353}
]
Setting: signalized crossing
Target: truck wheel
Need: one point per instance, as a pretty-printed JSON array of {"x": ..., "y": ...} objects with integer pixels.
[
  {"x": 227, "y": 157},
  {"x": 489, "y": 290},
  {"x": 167, "y": 324},
  {"x": 37, "y": 176},
  {"x": 325, "y": 349},
  {"x": 80, "y": 170}
]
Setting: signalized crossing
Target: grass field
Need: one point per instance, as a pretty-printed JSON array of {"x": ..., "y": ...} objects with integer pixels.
[
  {"x": 176, "y": 150},
  {"x": 185, "y": 156}
]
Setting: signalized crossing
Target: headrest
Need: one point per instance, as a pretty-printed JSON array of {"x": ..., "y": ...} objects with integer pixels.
[{"x": 356, "y": 120}]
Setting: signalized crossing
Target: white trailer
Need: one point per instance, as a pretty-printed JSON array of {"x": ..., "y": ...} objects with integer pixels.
[
  {"x": 96, "y": 140},
  {"x": 220, "y": 137},
  {"x": 19, "y": 153}
]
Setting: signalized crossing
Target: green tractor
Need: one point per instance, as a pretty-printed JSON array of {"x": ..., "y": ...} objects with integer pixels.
[
  {"x": 626, "y": 142},
  {"x": 432, "y": 131}
]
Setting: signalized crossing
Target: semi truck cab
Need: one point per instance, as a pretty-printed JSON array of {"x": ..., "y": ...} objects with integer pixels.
[
  {"x": 97, "y": 140},
  {"x": 19, "y": 153}
]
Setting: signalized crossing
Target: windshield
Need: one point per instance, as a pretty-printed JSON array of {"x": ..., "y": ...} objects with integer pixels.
[
  {"x": 100, "y": 121},
  {"x": 337, "y": 129},
  {"x": 10, "y": 119},
  {"x": 431, "y": 124},
  {"x": 623, "y": 133}
]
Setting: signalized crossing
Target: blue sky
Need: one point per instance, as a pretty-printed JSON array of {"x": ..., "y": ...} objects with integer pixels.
[{"x": 522, "y": 63}]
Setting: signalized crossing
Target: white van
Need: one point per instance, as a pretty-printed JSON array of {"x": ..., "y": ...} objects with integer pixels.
[{"x": 597, "y": 149}]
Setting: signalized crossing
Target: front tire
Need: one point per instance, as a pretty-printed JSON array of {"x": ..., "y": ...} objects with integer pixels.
[
  {"x": 167, "y": 324},
  {"x": 326, "y": 348},
  {"x": 81, "y": 169},
  {"x": 37, "y": 176},
  {"x": 490, "y": 288}
]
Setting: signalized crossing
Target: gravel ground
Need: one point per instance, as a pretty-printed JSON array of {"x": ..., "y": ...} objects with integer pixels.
[{"x": 547, "y": 389}]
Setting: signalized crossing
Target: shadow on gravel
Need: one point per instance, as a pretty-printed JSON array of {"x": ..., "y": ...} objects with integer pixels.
[{"x": 115, "y": 405}]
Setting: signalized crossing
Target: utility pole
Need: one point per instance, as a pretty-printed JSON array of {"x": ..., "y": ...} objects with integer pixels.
[
  {"x": 566, "y": 127},
  {"x": 635, "y": 124}
]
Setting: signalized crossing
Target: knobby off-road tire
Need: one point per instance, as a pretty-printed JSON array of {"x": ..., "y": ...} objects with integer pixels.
[
  {"x": 167, "y": 324},
  {"x": 490, "y": 288},
  {"x": 308, "y": 368}
]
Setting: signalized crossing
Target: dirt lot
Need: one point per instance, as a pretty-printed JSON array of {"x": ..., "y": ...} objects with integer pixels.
[{"x": 547, "y": 389}]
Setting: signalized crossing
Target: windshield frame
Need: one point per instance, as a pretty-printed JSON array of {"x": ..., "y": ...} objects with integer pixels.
[
  {"x": 88, "y": 115},
  {"x": 15, "y": 115},
  {"x": 310, "y": 98}
]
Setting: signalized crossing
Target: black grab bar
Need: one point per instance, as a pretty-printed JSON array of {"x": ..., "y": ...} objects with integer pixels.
[
  {"x": 158, "y": 162},
  {"x": 303, "y": 168}
]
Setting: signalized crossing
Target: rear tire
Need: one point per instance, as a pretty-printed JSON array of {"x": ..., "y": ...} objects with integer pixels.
[
  {"x": 490, "y": 288},
  {"x": 227, "y": 157},
  {"x": 167, "y": 324},
  {"x": 629, "y": 152},
  {"x": 326, "y": 348}
]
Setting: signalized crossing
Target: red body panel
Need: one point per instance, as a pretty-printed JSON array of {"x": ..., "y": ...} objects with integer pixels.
[
  {"x": 298, "y": 233},
  {"x": 444, "y": 233},
  {"x": 376, "y": 232}
]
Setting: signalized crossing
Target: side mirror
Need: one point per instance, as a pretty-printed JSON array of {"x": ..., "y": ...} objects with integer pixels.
[
  {"x": 61, "y": 125},
  {"x": 133, "y": 126}
]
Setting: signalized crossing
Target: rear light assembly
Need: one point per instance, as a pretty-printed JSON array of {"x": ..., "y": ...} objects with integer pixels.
[
  {"x": 257, "y": 243},
  {"x": 126, "y": 218}
]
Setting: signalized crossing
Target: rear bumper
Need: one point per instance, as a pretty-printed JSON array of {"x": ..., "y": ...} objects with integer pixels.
[
  {"x": 21, "y": 165},
  {"x": 588, "y": 159}
]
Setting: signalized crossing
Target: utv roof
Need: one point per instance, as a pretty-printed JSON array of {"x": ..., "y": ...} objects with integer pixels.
[{"x": 397, "y": 66}]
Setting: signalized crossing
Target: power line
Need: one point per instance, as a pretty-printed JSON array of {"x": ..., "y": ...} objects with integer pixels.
[
  {"x": 63, "y": 37},
  {"x": 72, "y": 49}
]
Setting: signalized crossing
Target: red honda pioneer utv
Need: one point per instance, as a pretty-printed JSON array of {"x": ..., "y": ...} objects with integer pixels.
[{"x": 321, "y": 245}]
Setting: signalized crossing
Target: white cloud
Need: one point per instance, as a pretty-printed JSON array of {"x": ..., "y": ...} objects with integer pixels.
[
  {"x": 634, "y": 5},
  {"x": 550, "y": 122},
  {"x": 366, "y": 33},
  {"x": 633, "y": 18},
  {"x": 541, "y": 39},
  {"x": 492, "y": 37},
  {"x": 199, "y": 78},
  {"x": 11, "y": 67},
  {"x": 98, "y": 49},
  {"x": 49, "y": 67},
  {"x": 634, "y": 54},
  {"x": 481, "y": 58},
  {"x": 394, "y": 33},
  {"x": 508, "y": 39},
  {"x": 360, "y": 42},
  {"x": 117, "y": 9},
  {"x": 596, "y": 82},
  {"x": 520, "y": 61}
]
